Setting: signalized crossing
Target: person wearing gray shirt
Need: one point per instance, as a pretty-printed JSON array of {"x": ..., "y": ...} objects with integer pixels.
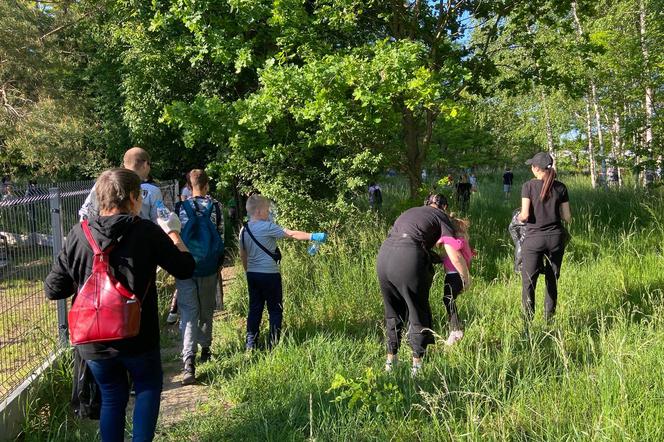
[{"x": 258, "y": 251}]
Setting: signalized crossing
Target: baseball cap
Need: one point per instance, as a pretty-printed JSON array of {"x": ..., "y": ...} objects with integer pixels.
[{"x": 542, "y": 160}]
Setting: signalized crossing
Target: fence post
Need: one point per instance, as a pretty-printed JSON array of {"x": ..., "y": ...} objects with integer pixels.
[{"x": 56, "y": 231}]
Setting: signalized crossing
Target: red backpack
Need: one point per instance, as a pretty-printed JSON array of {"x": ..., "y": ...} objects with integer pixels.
[{"x": 104, "y": 310}]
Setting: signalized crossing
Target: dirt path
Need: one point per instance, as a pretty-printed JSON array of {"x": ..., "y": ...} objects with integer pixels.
[{"x": 179, "y": 401}]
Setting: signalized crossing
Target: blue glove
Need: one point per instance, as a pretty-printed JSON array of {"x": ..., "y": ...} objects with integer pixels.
[{"x": 319, "y": 236}]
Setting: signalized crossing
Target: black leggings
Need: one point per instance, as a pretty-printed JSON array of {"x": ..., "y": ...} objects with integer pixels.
[
  {"x": 405, "y": 275},
  {"x": 541, "y": 254},
  {"x": 453, "y": 286}
]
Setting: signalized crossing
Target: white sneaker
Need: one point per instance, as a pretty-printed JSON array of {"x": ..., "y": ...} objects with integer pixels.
[
  {"x": 390, "y": 365},
  {"x": 416, "y": 369},
  {"x": 454, "y": 337},
  {"x": 172, "y": 318}
]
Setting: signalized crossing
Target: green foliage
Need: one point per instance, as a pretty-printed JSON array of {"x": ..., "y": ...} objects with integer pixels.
[{"x": 369, "y": 393}]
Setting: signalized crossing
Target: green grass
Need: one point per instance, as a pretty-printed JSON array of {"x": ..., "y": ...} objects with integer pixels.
[{"x": 596, "y": 374}]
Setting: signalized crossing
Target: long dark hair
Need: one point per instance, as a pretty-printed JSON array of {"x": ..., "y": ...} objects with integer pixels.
[
  {"x": 438, "y": 199},
  {"x": 549, "y": 176}
]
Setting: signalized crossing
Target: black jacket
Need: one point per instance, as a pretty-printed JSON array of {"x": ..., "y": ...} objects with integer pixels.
[{"x": 141, "y": 246}]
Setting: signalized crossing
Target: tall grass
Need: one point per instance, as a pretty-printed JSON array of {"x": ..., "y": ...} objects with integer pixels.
[{"x": 595, "y": 374}]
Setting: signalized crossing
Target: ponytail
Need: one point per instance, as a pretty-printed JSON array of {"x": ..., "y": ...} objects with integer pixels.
[{"x": 549, "y": 176}]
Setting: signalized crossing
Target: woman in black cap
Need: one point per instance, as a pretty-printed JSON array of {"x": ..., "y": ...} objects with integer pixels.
[
  {"x": 405, "y": 273},
  {"x": 544, "y": 203}
]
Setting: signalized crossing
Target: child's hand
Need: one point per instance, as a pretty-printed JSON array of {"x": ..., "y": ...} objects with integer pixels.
[
  {"x": 467, "y": 282},
  {"x": 319, "y": 236}
]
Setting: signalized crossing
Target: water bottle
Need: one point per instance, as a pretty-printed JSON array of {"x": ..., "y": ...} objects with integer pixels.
[
  {"x": 313, "y": 248},
  {"x": 162, "y": 210}
]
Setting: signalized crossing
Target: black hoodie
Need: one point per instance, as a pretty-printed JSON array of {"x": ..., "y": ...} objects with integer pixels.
[{"x": 140, "y": 247}]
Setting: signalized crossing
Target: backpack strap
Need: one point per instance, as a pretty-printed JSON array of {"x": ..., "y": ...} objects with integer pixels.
[
  {"x": 188, "y": 208},
  {"x": 88, "y": 235},
  {"x": 261, "y": 246}
]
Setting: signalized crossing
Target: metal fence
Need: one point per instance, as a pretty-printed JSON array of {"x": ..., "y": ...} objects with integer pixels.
[{"x": 33, "y": 222}]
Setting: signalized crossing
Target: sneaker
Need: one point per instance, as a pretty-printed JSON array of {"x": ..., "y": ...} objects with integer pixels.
[
  {"x": 390, "y": 365},
  {"x": 417, "y": 368},
  {"x": 172, "y": 318},
  {"x": 206, "y": 354},
  {"x": 454, "y": 337},
  {"x": 189, "y": 372}
]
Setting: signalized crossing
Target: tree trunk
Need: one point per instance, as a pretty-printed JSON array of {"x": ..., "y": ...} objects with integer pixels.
[
  {"x": 547, "y": 122},
  {"x": 589, "y": 96},
  {"x": 413, "y": 151},
  {"x": 591, "y": 149},
  {"x": 648, "y": 102},
  {"x": 600, "y": 136},
  {"x": 616, "y": 144}
]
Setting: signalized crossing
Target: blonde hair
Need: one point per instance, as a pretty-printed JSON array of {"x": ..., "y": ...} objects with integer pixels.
[
  {"x": 256, "y": 202},
  {"x": 460, "y": 226}
]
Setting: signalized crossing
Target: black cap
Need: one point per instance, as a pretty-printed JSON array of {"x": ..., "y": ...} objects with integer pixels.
[{"x": 542, "y": 160}]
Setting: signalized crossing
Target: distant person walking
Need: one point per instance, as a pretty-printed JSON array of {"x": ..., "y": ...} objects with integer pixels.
[
  {"x": 474, "y": 184},
  {"x": 405, "y": 273},
  {"x": 375, "y": 196},
  {"x": 463, "y": 191},
  {"x": 544, "y": 204},
  {"x": 508, "y": 178}
]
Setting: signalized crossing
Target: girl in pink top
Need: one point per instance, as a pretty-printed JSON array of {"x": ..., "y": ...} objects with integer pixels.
[{"x": 457, "y": 275}]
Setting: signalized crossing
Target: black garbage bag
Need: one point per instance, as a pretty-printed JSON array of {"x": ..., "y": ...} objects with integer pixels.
[
  {"x": 517, "y": 231},
  {"x": 85, "y": 393}
]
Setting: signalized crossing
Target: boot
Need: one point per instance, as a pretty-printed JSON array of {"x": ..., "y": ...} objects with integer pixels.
[{"x": 189, "y": 372}]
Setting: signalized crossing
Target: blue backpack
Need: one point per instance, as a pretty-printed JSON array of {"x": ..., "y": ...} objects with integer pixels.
[{"x": 202, "y": 239}]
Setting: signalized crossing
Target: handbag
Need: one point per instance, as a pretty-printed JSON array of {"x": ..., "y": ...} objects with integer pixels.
[
  {"x": 104, "y": 309},
  {"x": 276, "y": 255}
]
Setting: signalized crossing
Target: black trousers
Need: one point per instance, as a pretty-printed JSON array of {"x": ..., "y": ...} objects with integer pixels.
[
  {"x": 453, "y": 286},
  {"x": 541, "y": 254},
  {"x": 405, "y": 275}
]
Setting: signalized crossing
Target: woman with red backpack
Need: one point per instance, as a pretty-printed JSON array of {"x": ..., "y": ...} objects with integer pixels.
[{"x": 109, "y": 264}]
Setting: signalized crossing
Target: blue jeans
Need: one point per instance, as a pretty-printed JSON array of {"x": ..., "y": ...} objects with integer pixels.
[
  {"x": 264, "y": 288},
  {"x": 197, "y": 298},
  {"x": 111, "y": 375}
]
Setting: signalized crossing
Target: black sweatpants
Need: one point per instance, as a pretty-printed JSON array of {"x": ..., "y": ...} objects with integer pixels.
[
  {"x": 405, "y": 275},
  {"x": 541, "y": 254},
  {"x": 453, "y": 286}
]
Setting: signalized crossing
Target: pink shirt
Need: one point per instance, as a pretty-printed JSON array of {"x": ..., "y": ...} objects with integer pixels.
[{"x": 457, "y": 244}]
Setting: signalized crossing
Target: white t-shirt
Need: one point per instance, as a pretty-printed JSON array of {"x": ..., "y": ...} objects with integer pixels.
[{"x": 151, "y": 194}]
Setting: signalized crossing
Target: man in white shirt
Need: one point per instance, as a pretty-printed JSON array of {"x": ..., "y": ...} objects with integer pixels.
[{"x": 137, "y": 160}]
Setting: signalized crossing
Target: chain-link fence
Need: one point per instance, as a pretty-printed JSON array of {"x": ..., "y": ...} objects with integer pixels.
[{"x": 33, "y": 222}]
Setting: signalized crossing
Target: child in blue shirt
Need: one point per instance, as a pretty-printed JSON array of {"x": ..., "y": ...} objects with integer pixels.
[{"x": 260, "y": 259}]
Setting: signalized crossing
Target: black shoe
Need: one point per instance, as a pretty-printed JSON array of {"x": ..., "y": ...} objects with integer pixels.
[
  {"x": 206, "y": 354},
  {"x": 189, "y": 372}
]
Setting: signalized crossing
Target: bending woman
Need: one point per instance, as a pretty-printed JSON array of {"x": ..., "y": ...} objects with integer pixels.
[
  {"x": 405, "y": 273},
  {"x": 138, "y": 247},
  {"x": 544, "y": 203}
]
